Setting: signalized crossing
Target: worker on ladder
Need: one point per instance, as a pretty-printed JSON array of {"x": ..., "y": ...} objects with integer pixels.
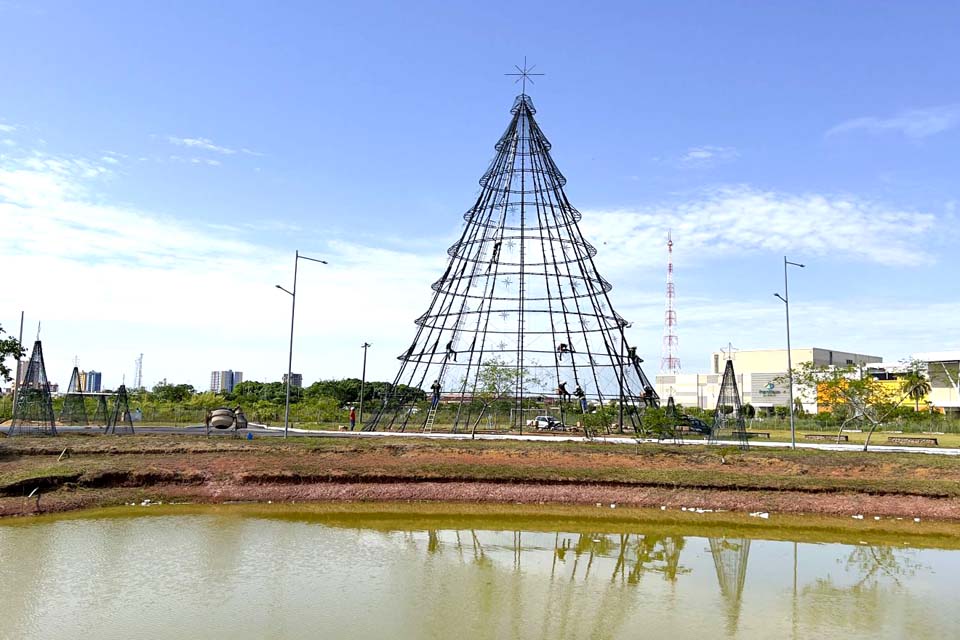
[{"x": 435, "y": 387}]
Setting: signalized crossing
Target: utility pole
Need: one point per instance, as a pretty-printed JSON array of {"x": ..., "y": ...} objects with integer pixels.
[
  {"x": 16, "y": 376},
  {"x": 363, "y": 380},
  {"x": 786, "y": 301},
  {"x": 293, "y": 309}
]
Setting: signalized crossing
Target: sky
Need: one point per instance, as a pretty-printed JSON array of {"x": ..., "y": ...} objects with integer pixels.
[{"x": 161, "y": 162}]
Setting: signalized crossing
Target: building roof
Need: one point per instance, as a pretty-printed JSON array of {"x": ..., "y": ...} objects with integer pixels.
[{"x": 938, "y": 356}]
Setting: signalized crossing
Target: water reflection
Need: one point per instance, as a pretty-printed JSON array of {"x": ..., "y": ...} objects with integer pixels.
[{"x": 272, "y": 577}]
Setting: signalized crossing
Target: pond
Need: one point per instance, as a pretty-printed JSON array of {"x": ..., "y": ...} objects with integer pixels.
[{"x": 263, "y": 571}]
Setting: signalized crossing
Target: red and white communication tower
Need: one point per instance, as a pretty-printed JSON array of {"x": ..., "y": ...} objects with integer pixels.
[{"x": 669, "y": 359}]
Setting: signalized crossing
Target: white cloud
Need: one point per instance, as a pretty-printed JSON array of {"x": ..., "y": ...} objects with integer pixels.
[
  {"x": 706, "y": 156},
  {"x": 7, "y": 128},
  {"x": 734, "y": 220},
  {"x": 211, "y": 162},
  {"x": 916, "y": 123},
  {"x": 204, "y": 144},
  {"x": 109, "y": 282}
]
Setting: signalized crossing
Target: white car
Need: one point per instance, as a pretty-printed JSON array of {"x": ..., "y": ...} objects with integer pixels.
[{"x": 545, "y": 423}]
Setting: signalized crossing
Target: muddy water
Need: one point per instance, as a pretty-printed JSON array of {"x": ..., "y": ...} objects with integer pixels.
[{"x": 261, "y": 572}]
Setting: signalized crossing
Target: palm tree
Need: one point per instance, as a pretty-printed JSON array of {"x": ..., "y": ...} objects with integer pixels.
[{"x": 916, "y": 386}]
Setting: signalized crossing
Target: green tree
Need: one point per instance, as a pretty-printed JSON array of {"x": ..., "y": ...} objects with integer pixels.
[
  {"x": 915, "y": 384},
  {"x": 498, "y": 380},
  {"x": 9, "y": 347},
  {"x": 655, "y": 421},
  {"x": 749, "y": 411},
  {"x": 163, "y": 392},
  {"x": 846, "y": 391}
]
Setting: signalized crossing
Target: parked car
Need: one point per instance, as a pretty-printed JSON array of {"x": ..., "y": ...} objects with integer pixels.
[
  {"x": 546, "y": 423},
  {"x": 695, "y": 424}
]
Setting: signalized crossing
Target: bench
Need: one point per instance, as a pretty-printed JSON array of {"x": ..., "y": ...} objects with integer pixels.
[
  {"x": 751, "y": 434},
  {"x": 826, "y": 436},
  {"x": 905, "y": 440}
]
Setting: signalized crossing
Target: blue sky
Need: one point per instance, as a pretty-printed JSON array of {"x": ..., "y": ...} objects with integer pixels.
[{"x": 159, "y": 163}]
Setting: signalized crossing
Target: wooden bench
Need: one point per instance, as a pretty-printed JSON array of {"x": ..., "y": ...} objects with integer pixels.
[
  {"x": 826, "y": 436},
  {"x": 908, "y": 440},
  {"x": 751, "y": 434}
]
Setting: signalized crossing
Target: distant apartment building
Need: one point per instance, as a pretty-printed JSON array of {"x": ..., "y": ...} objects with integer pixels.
[
  {"x": 225, "y": 381},
  {"x": 296, "y": 380},
  {"x": 91, "y": 381}
]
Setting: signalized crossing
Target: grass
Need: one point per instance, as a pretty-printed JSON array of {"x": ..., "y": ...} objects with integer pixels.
[{"x": 397, "y": 459}]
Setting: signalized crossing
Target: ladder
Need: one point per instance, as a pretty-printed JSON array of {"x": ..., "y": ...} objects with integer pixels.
[{"x": 431, "y": 417}]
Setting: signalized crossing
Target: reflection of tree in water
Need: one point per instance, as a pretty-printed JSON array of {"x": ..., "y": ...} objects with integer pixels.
[
  {"x": 875, "y": 562},
  {"x": 877, "y": 599},
  {"x": 730, "y": 560}
]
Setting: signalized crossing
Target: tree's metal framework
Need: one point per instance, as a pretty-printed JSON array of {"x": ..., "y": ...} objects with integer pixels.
[
  {"x": 729, "y": 411},
  {"x": 119, "y": 421},
  {"x": 101, "y": 415},
  {"x": 74, "y": 411},
  {"x": 33, "y": 413},
  {"x": 521, "y": 315}
]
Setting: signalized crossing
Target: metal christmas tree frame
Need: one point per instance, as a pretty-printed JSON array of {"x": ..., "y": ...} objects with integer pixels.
[
  {"x": 74, "y": 411},
  {"x": 120, "y": 422},
  {"x": 101, "y": 415},
  {"x": 33, "y": 412},
  {"x": 521, "y": 320},
  {"x": 729, "y": 411}
]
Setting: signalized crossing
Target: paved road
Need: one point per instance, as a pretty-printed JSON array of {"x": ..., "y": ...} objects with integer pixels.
[{"x": 260, "y": 431}]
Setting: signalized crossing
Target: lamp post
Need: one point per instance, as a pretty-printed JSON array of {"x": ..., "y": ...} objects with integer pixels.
[
  {"x": 293, "y": 309},
  {"x": 786, "y": 301},
  {"x": 363, "y": 379}
]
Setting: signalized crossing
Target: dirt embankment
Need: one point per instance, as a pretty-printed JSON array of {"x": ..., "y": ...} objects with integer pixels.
[{"x": 101, "y": 472}]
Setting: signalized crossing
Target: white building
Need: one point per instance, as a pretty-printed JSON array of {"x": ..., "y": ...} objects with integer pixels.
[
  {"x": 760, "y": 377},
  {"x": 943, "y": 370},
  {"x": 225, "y": 381}
]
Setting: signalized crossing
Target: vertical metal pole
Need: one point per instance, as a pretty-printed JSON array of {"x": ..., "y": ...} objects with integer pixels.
[
  {"x": 786, "y": 303},
  {"x": 620, "y": 419},
  {"x": 16, "y": 375},
  {"x": 293, "y": 309},
  {"x": 363, "y": 381}
]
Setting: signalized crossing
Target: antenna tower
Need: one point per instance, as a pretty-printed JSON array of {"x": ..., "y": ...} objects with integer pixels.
[
  {"x": 669, "y": 360},
  {"x": 138, "y": 374}
]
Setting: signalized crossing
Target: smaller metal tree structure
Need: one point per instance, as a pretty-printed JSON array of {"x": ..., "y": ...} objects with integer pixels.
[
  {"x": 120, "y": 421},
  {"x": 101, "y": 416},
  {"x": 673, "y": 419},
  {"x": 729, "y": 412},
  {"x": 671, "y": 410},
  {"x": 74, "y": 411},
  {"x": 730, "y": 557},
  {"x": 33, "y": 413}
]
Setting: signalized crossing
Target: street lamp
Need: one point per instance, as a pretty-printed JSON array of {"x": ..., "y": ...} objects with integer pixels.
[
  {"x": 363, "y": 379},
  {"x": 786, "y": 301},
  {"x": 293, "y": 308}
]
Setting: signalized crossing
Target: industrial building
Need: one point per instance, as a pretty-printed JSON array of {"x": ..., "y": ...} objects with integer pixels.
[{"x": 760, "y": 376}]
